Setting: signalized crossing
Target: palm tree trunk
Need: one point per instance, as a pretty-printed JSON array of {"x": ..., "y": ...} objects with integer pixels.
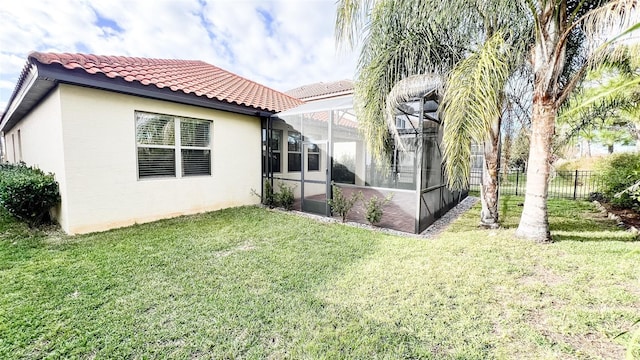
[
  {"x": 490, "y": 186},
  {"x": 534, "y": 223}
]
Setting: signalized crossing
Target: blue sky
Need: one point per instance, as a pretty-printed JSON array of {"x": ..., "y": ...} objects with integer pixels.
[{"x": 279, "y": 43}]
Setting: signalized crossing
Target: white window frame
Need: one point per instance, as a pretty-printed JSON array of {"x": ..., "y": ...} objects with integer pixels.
[{"x": 177, "y": 147}]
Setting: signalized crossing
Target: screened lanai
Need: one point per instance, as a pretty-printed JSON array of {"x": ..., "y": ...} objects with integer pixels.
[{"x": 318, "y": 143}]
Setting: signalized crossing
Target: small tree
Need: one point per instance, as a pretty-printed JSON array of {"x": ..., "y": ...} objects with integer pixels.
[
  {"x": 285, "y": 197},
  {"x": 375, "y": 208},
  {"x": 342, "y": 205}
]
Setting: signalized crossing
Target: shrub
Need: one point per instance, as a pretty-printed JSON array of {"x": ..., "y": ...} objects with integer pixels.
[
  {"x": 632, "y": 191},
  {"x": 285, "y": 197},
  {"x": 374, "y": 208},
  {"x": 28, "y": 193},
  {"x": 268, "y": 197},
  {"x": 616, "y": 174},
  {"x": 340, "y": 204}
]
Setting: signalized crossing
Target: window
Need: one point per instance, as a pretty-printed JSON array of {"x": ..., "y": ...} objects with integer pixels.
[
  {"x": 195, "y": 143},
  {"x": 171, "y": 145},
  {"x": 294, "y": 142},
  {"x": 276, "y": 150},
  {"x": 313, "y": 156},
  {"x": 13, "y": 145},
  {"x": 19, "y": 146}
]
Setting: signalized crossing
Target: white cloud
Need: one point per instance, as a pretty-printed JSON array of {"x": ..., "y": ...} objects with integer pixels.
[{"x": 282, "y": 44}]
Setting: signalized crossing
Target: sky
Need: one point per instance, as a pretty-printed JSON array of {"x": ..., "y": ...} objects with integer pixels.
[{"x": 279, "y": 43}]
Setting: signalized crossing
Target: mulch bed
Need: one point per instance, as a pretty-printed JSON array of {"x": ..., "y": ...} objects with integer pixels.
[{"x": 627, "y": 216}]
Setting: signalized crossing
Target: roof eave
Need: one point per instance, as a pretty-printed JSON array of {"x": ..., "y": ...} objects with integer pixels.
[
  {"x": 42, "y": 78},
  {"x": 29, "y": 92}
]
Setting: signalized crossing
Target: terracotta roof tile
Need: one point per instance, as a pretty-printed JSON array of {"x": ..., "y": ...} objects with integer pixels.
[
  {"x": 189, "y": 76},
  {"x": 322, "y": 90}
]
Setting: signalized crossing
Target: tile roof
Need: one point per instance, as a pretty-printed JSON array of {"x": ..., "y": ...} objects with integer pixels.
[
  {"x": 189, "y": 76},
  {"x": 322, "y": 90}
]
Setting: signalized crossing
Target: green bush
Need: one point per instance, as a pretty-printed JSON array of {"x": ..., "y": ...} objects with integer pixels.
[
  {"x": 285, "y": 197},
  {"x": 268, "y": 196},
  {"x": 340, "y": 204},
  {"x": 28, "y": 193},
  {"x": 616, "y": 174},
  {"x": 375, "y": 208}
]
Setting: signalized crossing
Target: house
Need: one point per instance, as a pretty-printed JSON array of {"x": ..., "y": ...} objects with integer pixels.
[
  {"x": 317, "y": 144},
  {"x": 133, "y": 140}
]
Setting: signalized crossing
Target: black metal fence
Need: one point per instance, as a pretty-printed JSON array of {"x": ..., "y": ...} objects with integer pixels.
[{"x": 574, "y": 185}]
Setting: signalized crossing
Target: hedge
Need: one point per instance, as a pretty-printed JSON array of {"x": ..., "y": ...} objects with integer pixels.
[{"x": 28, "y": 193}]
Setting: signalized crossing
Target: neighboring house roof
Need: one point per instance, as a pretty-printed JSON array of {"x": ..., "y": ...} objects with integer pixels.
[
  {"x": 186, "y": 81},
  {"x": 322, "y": 90}
]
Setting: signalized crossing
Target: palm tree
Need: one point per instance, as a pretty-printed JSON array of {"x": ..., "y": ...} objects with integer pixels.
[
  {"x": 409, "y": 43},
  {"x": 569, "y": 39},
  {"x": 568, "y": 42}
]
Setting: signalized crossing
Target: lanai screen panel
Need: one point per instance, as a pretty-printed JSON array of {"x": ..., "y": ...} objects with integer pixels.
[
  {"x": 304, "y": 156},
  {"x": 435, "y": 197},
  {"x": 355, "y": 170}
]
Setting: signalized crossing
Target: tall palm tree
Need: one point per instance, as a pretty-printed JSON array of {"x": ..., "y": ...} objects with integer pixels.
[
  {"x": 415, "y": 40},
  {"x": 569, "y": 39}
]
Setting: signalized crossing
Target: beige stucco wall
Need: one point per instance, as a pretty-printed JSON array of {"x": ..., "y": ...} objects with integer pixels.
[
  {"x": 86, "y": 137},
  {"x": 40, "y": 145},
  {"x": 100, "y": 158}
]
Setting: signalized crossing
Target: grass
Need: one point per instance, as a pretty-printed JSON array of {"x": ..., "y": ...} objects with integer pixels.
[{"x": 253, "y": 283}]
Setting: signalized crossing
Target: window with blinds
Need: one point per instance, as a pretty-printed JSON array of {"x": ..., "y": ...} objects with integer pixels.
[{"x": 170, "y": 146}]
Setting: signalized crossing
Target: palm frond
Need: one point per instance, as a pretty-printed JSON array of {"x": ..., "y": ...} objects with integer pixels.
[
  {"x": 616, "y": 100},
  {"x": 471, "y": 105},
  {"x": 615, "y": 94},
  {"x": 403, "y": 38},
  {"x": 399, "y": 43},
  {"x": 351, "y": 16},
  {"x": 613, "y": 17}
]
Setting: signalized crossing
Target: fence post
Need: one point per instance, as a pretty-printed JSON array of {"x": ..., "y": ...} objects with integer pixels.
[
  {"x": 575, "y": 185},
  {"x": 517, "y": 180}
]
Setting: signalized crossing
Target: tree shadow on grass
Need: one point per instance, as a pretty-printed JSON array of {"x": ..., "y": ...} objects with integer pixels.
[
  {"x": 586, "y": 228},
  {"x": 582, "y": 224},
  {"x": 591, "y": 238}
]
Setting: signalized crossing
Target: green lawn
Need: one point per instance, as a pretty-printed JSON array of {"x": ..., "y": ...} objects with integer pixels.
[{"x": 253, "y": 283}]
